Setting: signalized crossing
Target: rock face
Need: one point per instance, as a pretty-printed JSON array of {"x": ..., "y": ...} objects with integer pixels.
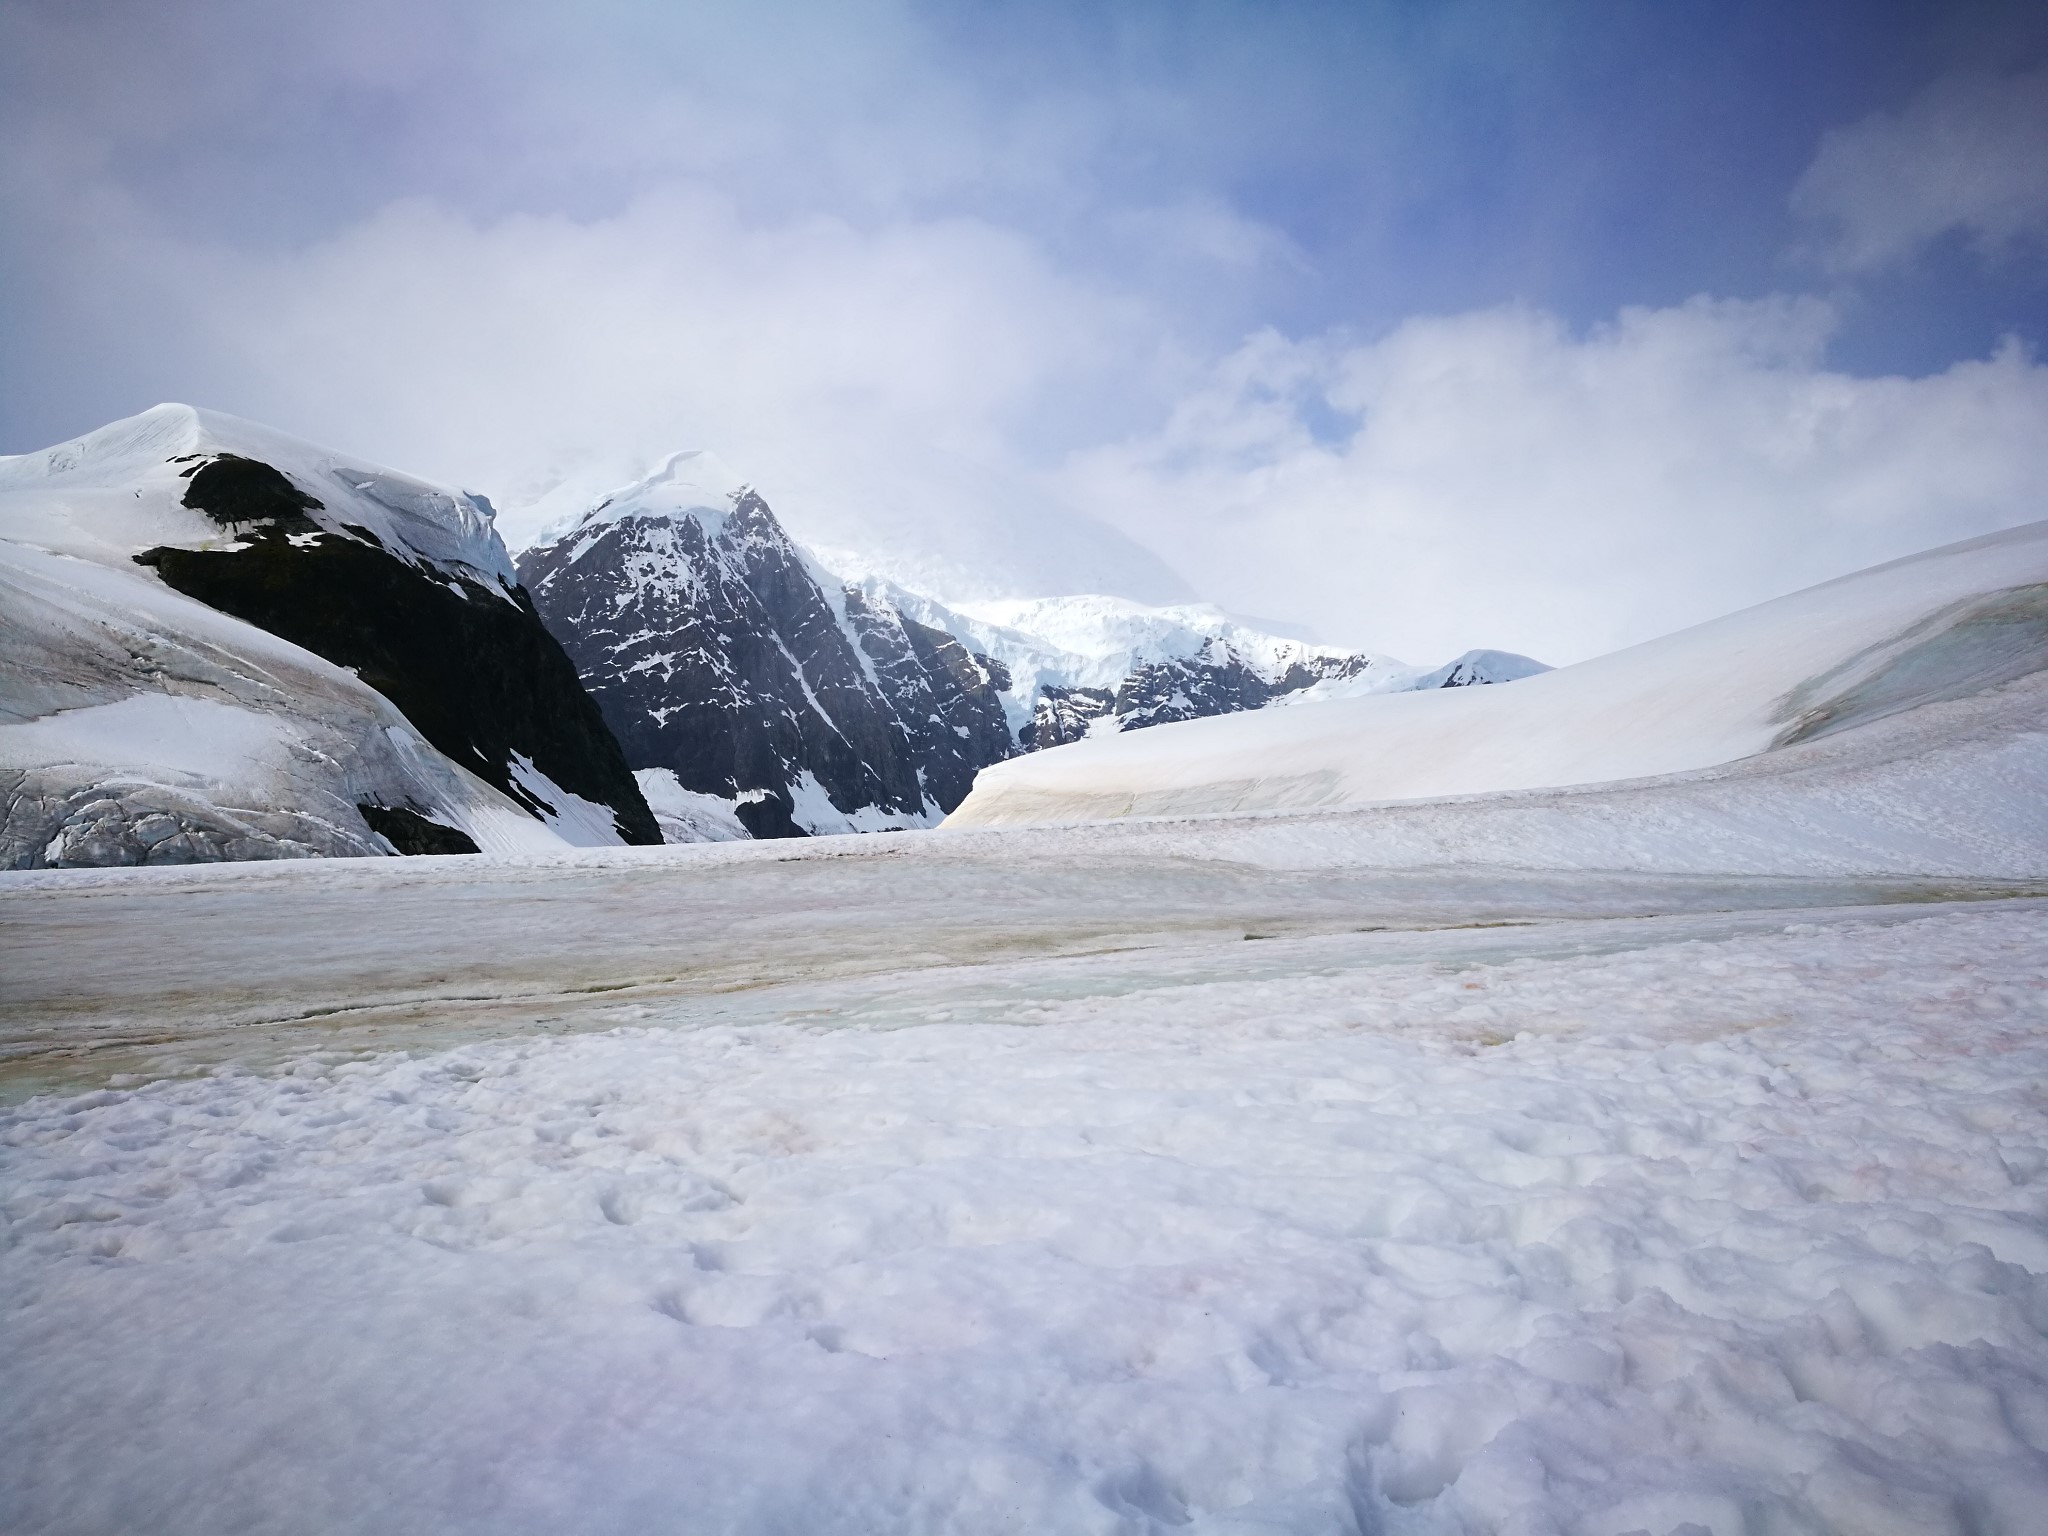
[
  {"x": 718, "y": 652},
  {"x": 1214, "y": 681},
  {"x": 469, "y": 665},
  {"x": 388, "y": 687}
]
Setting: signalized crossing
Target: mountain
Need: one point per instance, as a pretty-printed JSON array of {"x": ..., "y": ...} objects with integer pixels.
[
  {"x": 227, "y": 643},
  {"x": 1943, "y": 653},
  {"x": 1093, "y": 665},
  {"x": 721, "y": 655},
  {"x": 754, "y": 690}
]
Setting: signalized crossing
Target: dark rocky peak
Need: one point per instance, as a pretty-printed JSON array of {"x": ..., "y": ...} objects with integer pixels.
[
  {"x": 1062, "y": 715},
  {"x": 718, "y": 651}
]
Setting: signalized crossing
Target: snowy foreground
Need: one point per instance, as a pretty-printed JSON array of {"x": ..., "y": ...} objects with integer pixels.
[{"x": 935, "y": 1184}]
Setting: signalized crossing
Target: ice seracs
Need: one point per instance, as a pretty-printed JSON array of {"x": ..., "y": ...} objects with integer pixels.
[{"x": 225, "y": 643}]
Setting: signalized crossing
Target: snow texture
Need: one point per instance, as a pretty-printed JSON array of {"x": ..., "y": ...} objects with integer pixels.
[{"x": 1729, "y": 1236}]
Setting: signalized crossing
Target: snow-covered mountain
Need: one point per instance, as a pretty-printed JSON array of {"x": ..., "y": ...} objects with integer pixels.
[
  {"x": 1092, "y": 663},
  {"x": 1962, "y": 629},
  {"x": 222, "y": 642},
  {"x": 722, "y": 656},
  {"x": 768, "y": 693}
]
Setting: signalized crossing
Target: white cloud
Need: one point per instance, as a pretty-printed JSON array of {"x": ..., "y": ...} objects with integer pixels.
[
  {"x": 874, "y": 382},
  {"x": 1493, "y": 479},
  {"x": 1968, "y": 154}
]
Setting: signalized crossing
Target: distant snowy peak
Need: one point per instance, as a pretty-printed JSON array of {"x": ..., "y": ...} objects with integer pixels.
[
  {"x": 694, "y": 483},
  {"x": 1124, "y": 635},
  {"x": 1388, "y": 676},
  {"x": 179, "y": 476},
  {"x": 1481, "y": 667},
  {"x": 1094, "y": 664}
]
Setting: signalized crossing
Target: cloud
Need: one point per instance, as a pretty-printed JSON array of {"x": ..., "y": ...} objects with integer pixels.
[
  {"x": 1494, "y": 479},
  {"x": 1969, "y": 154},
  {"x": 970, "y": 288},
  {"x": 875, "y": 382}
]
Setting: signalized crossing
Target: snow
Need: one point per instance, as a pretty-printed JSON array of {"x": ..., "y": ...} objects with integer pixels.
[
  {"x": 1936, "y": 626},
  {"x": 1576, "y": 1227},
  {"x": 116, "y": 491},
  {"x": 184, "y": 736},
  {"x": 576, "y": 821},
  {"x": 693, "y": 483},
  {"x": 813, "y": 810},
  {"x": 687, "y": 816},
  {"x": 1652, "y": 1142}
]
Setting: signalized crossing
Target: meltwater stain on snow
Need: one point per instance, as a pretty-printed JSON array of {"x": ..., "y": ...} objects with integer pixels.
[{"x": 1969, "y": 647}]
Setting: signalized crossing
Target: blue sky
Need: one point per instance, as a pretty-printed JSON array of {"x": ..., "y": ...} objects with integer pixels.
[{"x": 1139, "y": 296}]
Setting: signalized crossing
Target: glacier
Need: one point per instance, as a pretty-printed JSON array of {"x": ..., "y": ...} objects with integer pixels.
[{"x": 1603, "y": 1104}]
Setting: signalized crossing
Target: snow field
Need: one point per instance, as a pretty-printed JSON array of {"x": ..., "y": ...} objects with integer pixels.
[
  {"x": 1948, "y": 624},
  {"x": 1746, "y": 1236}
]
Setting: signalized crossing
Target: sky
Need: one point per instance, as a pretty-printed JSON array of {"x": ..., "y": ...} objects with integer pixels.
[{"x": 1548, "y": 328}]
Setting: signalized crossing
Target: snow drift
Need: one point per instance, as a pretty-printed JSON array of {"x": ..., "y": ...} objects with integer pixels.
[{"x": 1831, "y": 664}]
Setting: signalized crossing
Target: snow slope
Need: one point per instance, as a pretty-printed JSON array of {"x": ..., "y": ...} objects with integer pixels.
[
  {"x": 1945, "y": 625},
  {"x": 118, "y": 490},
  {"x": 137, "y": 725}
]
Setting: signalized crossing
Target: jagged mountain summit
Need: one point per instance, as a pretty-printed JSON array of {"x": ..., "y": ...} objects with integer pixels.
[
  {"x": 730, "y": 666},
  {"x": 225, "y": 643},
  {"x": 756, "y": 692}
]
